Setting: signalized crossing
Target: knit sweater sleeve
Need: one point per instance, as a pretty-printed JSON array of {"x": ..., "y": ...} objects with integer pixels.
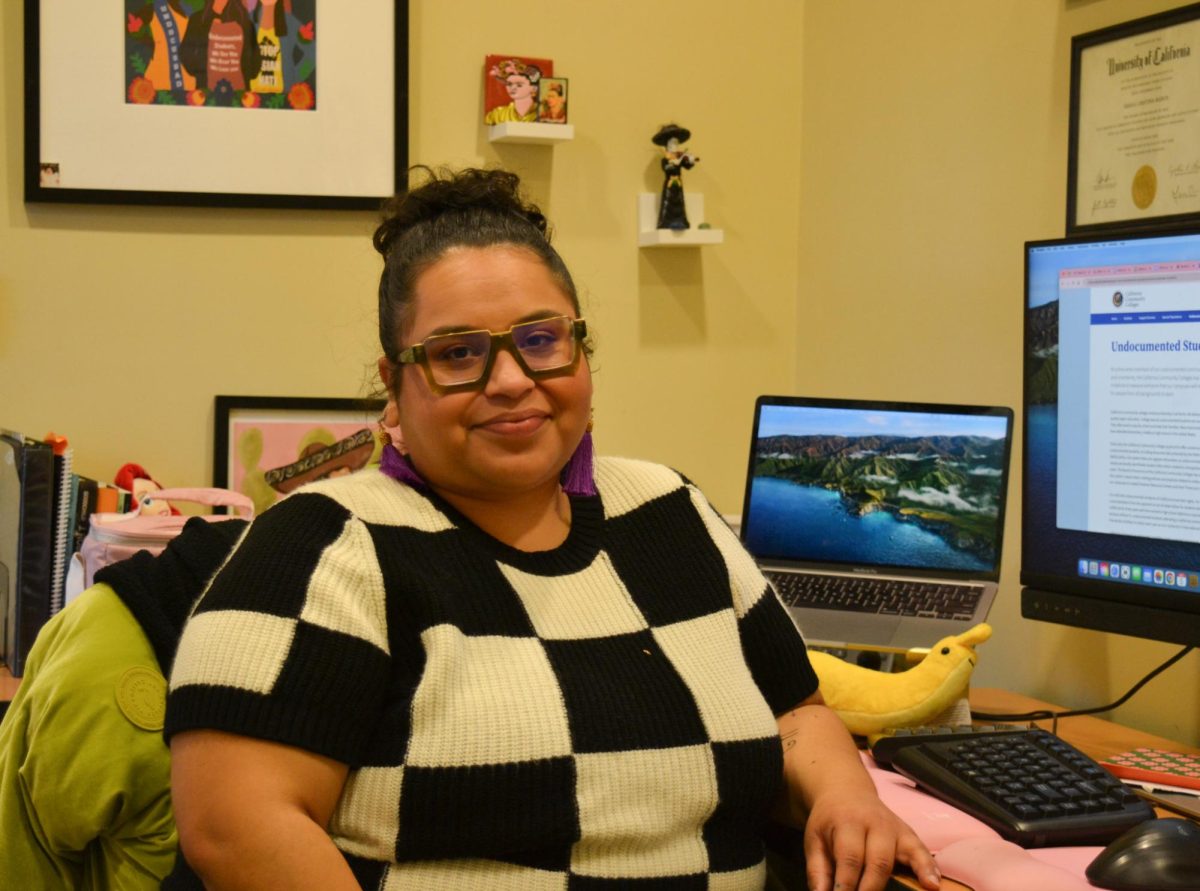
[
  {"x": 773, "y": 647},
  {"x": 289, "y": 643}
]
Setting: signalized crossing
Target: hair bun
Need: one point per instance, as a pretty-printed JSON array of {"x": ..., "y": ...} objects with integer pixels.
[{"x": 431, "y": 194}]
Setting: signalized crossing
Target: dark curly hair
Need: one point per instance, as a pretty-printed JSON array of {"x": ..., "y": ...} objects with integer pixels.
[{"x": 468, "y": 208}]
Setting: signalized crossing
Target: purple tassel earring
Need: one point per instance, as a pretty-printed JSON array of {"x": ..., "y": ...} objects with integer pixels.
[
  {"x": 399, "y": 467},
  {"x": 577, "y": 477}
]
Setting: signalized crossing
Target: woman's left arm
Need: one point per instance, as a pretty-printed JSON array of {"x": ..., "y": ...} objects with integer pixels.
[{"x": 851, "y": 839}]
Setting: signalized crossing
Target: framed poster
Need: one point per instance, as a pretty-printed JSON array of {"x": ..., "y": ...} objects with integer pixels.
[
  {"x": 220, "y": 103},
  {"x": 1133, "y": 157},
  {"x": 267, "y": 446}
]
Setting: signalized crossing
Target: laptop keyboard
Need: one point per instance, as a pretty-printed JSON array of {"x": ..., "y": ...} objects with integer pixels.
[{"x": 869, "y": 594}]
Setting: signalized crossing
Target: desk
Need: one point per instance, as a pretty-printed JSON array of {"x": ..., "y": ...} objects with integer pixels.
[
  {"x": 1093, "y": 736},
  {"x": 8, "y": 684}
]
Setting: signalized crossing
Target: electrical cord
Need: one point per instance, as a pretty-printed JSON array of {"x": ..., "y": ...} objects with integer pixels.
[{"x": 1052, "y": 715}]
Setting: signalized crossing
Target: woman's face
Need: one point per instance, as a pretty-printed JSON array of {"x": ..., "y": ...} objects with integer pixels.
[
  {"x": 518, "y": 86},
  {"x": 515, "y": 434}
]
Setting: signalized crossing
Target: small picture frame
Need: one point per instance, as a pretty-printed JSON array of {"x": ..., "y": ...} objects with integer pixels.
[
  {"x": 267, "y": 446},
  {"x": 552, "y": 100},
  {"x": 510, "y": 87}
]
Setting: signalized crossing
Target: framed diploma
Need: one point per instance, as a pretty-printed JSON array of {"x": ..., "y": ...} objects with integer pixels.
[{"x": 1134, "y": 142}]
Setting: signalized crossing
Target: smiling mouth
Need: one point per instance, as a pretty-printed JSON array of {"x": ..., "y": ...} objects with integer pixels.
[{"x": 514, "y": 425}]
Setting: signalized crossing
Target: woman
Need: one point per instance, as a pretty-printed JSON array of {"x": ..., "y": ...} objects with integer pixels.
[
  {"x": 168, "y": 21},
  {"x": 554, "y": 103},
  {"x": 271, "y": 25},
  {"x": 219, "y": 45},
  {"x": 495, "y": 663},
  {"x": 521, "y": 83},
  {"x": 287, "y": 59}
]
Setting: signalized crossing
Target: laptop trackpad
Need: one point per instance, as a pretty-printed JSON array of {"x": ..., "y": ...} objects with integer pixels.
[{"x": 838, "y": 627}]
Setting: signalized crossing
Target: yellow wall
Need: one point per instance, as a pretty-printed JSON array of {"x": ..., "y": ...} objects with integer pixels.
[
  {"x": 935, "y": 144},
  {"x": 192, "y": 303},
  {"x": 907, "y": 149}
]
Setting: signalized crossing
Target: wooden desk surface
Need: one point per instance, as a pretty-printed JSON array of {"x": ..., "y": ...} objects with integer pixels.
[
  {"x": 1094, "y": 736},
  {"x": 8, "y": 684}
]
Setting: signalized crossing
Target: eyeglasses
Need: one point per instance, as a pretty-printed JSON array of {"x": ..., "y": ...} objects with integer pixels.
[{"x": 463, "y": 360}]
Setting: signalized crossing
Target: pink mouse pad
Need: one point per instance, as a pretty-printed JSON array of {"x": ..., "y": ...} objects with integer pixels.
[
  {"x": 935, "y": 822},
  {"x": 992, "y": 864},
  {"x": 969, "y": 851}
]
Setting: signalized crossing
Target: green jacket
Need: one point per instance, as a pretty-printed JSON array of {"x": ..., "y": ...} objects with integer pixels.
[
  {"x": 85, "y": 796},
  {"x": 85, "y": 799}
]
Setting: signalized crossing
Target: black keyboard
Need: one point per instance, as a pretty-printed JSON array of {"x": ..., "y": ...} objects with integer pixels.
[
  {"x": 1027, "y": 784},
  {"x": 870, "y": 594}
]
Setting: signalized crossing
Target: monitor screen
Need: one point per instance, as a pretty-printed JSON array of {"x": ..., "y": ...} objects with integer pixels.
[{"x": 1110, "y": 534}]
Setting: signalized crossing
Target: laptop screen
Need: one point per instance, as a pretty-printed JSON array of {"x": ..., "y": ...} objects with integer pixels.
[{"x": 878, "y": 484}]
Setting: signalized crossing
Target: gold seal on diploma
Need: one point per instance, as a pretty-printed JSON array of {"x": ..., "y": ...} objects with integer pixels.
[{"x": 1145, "y": 185}]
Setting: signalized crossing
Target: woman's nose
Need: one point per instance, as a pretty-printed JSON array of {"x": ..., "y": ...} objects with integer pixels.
[{"x": 507, "y": 377}]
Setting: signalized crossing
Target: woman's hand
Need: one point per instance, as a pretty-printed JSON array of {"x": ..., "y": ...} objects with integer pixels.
[{"x": 852, "y": 840}]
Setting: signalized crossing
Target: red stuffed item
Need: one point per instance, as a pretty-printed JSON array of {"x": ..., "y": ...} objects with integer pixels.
[{"x": 134, "y": 478}]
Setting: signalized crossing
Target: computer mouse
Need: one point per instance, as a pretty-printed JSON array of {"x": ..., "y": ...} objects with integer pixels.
[{"x": 1157, "y": 855}]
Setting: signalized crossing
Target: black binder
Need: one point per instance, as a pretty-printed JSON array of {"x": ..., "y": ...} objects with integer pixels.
[{"x": 26, "y": 544}]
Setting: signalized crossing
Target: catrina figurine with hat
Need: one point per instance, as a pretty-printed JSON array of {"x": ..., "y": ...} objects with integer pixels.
[{"x": 672, "y": 214}]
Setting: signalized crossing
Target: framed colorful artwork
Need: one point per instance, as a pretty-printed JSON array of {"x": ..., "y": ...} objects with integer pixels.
[
  {"x": 552, "y": 100},
  {"x": 267, "y": 446},
  {"x": 510, "y": 87},
  {"x": 220, "y": 103}
]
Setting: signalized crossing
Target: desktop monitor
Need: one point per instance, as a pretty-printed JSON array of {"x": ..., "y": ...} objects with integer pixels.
[{"x": 1110, "y": 525}]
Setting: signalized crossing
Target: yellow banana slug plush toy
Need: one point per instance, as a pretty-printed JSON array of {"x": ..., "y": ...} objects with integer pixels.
[{"x": 870, "y": 701}]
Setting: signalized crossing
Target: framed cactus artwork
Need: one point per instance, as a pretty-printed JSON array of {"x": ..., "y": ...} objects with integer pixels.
[
  {"x": 228, "y": 103},
  {"x": 267, "y": 446}
]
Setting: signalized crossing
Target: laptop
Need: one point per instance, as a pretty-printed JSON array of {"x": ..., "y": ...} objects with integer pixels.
[{"x": 880, "y": 524}]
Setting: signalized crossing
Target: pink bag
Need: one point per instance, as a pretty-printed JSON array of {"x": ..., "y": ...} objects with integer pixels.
[{"x": 113, "y": 537}]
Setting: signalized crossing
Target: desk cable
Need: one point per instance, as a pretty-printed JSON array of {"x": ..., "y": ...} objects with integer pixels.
[{"x": 1053, "y": 716}]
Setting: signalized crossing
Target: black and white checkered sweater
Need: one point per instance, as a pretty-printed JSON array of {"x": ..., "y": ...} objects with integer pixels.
[{"x": 596, "y": 716}]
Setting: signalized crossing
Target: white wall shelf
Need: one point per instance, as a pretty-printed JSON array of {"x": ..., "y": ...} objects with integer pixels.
[
  {"x": 531, "y": 132},
  {"x": 651, "y": 236}
]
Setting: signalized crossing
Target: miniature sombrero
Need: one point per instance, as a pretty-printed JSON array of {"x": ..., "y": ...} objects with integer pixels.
[{"x": 668, "y": 132}]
